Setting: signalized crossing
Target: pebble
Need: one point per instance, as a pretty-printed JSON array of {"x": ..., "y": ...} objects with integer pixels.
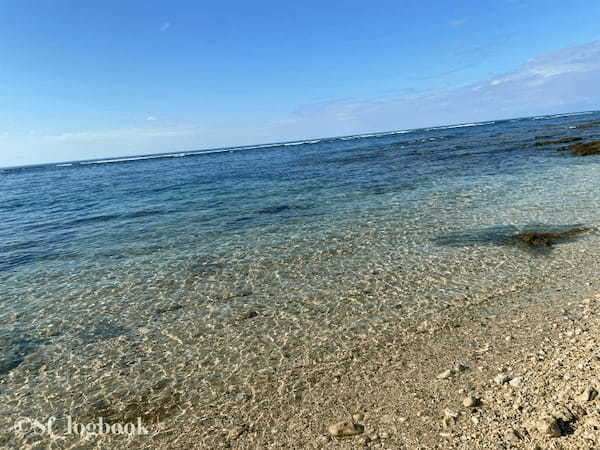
[
  {"x": 449, "y": 418},
  {"x": 445, "y": 374},
  {"x": 561, "y": 412},
  {"x": 245, "y": 315},
  {"x": 588, "y": 394},
  {"x": 516, "y": 381},
  {"x": 548, "y": 426},
  {"x": 342, "y": 429},
  {"x": 358, "y": 417},
  {"x": 450, "y": 413},
  {"x": 242, "y": 397},
  {"x": 470, "y": 402},
  {"x": 501, "y": 378},
  {"x": 422, "y": 327},
  {"x": 236, "y": 431},
  {"x": 364, "y": 440},
  {"x": 512, "y": 436},
  {"x": 323, "y": 439},
  {"x": 484, "y": 349},
  {"x": 459, "y": 367}
]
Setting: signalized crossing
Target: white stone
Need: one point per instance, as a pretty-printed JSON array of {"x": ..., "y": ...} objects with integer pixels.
[{"x": 516, "y": 381}]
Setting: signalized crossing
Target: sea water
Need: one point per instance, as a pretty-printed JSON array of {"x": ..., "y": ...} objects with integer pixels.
[{"x": 230, "y": 261}]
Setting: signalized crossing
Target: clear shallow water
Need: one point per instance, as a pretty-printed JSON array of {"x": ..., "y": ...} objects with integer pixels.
[
  {"x": 70, "y": 226},
  {"x": 324, "y": 240}
]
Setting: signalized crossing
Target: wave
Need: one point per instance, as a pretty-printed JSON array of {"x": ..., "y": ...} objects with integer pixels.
[
  {"x": 183, "y": 155},
  {"x": 463, "y": 125},
  {"x": 575, "y": 114},
  {"x": 365, "y": 136},
  {"x": 64, "y": 165},
  {"x": 557, "y": 116},
  {"x": 316, "y": 141},
  {"x": 140, "y": 158},
  {"x": 118, "y": 160},
  {"x": 254, "y": 146}
]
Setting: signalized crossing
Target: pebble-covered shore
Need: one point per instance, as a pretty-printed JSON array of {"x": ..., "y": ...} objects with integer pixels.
[{"x": 523, "y": 378}]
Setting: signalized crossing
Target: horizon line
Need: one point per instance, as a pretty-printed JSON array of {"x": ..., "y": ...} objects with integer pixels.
[{"x": 280, "y": 143}]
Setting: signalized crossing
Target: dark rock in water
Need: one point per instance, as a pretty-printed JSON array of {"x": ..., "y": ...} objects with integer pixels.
[
  {"x": 583, "y": 126},
  {"x": 168, "y": 309},
  {"x": 274, "y": 209},
  {"x": 8, "y": 364},
  {"x": 539, "y": 237},
  {"x": 546, "y": 239},
  {"x": 583, "y": 148},
  {"x": 565, "y": 140}
]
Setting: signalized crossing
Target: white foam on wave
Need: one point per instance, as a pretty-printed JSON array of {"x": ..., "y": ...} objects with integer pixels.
[
  {"x": 463, "y": 125},
  {"x": 63, "y": 165},
  {"x": 575, "y": 114},
  {"x": 225, "y": 150},
  {"x": 365, "y": 136},
  {"x": 117, "y": 160},
  {"x": 557, "y": 116},
  {"x": 142, "y": 158},
  {"x": 316, "y": 141},
  {"x": 207, "y": 152},
  {"x": 254, "y": 147}
]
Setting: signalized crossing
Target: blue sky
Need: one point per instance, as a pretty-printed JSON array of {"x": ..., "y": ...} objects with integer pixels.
[{"x": 105, "y": 78}]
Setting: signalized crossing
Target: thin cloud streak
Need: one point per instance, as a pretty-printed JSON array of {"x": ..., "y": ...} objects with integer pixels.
[{"x": 565, "y": 80}]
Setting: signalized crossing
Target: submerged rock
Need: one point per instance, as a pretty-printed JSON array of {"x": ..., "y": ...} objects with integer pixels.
[
  {"x": 583, "y": 126},
  {"x": 244, "y": 316},
  {"x": 583, "y": 148},
  {"x": 274, "y": 209},
  {"x": 565, "y": 140},
  {"x": 546, "y": 239}
]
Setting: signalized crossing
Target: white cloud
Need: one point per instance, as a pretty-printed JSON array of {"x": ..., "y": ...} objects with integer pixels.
[
  {"x": 457, "y": 22},
  {"x": 150, "y": 118},
  {"x": 126, "y": 133},
  {"x": 564, "y": 80}
]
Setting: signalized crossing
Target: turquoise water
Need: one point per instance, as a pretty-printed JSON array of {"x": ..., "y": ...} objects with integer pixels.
[{"x": 320, "y": 241}]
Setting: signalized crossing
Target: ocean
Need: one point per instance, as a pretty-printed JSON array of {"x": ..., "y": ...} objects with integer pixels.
[{"x": 235, "y": 261}]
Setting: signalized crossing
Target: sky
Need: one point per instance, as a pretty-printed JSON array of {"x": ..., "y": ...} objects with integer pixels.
[{"x": 91, "y": 79}]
